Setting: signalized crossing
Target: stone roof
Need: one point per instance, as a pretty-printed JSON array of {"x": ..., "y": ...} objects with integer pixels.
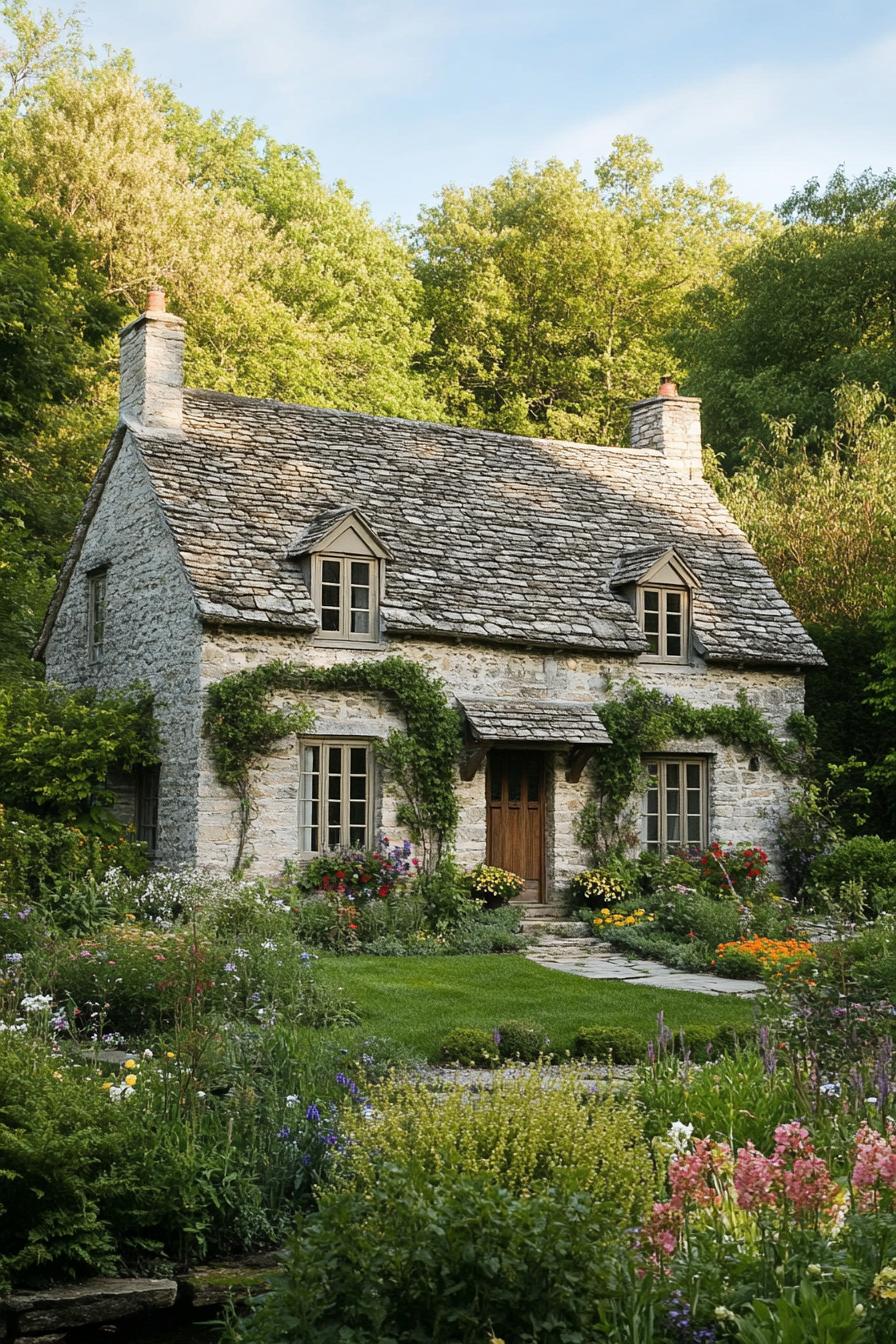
[
  {"x": 562, "y": 722},
  {"x": 634, "y": 564},
  {"x": 321, "y": 526},
  {"x": 492, "y": 537}
]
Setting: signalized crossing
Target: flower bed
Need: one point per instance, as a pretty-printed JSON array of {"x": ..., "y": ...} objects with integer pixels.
[{"x": 746, "y": 957}]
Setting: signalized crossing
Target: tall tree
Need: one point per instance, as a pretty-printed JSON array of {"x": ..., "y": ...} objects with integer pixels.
[
  {"x": 809, "y": 307},
  {"x": 551, "y": 296}
]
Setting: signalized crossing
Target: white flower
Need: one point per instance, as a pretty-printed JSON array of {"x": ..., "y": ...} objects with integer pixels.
[
  {"x": 36, "y": 1003},
  {"x": 201, "y": 1096},
  {"x": 292, "y": 1099},
  {"x": 680, "y": 1135},
  {"x": 871, "y": 1101},
  {"x": 830, "y": 1089},
  {"x": 115, "y": 1093},
  {"x": 240, "y": 952},
  {"x": 13, "y": 1026},
  {"x": 128, "y": 1092},
  {"x": 724, "y": 1314},
  {"x": 859, "y": 1309},
  {"x": 269, "y": 945},
  {"x": 147, "y": 1054}
]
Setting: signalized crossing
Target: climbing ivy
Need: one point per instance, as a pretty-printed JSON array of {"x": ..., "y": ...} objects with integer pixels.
[
  {"x": 644, "y": 721},
  {"x": 242, "y": 726}
]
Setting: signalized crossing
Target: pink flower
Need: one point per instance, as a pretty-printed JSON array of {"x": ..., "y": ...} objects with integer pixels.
[
  {"x": 874, "y": 1168},
  {"x": 755, "y": 1176},
  {"x": 660, "y": 1234},
  {"x": 692, "y": 1175}
]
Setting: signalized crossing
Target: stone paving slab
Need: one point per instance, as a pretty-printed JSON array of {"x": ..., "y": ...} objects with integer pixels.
[{"x": 603, "y": 962}]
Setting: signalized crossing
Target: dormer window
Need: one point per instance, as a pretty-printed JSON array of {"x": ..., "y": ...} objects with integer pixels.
[
  {"x": 664, "y": 620},
  {"x": 346, "y": 604},
  {"x": 344, "y": 561},
  {"x": 660, "y": 585}
]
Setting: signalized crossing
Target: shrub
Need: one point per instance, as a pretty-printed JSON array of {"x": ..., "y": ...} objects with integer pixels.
[
  {"x": 445, "y": 895},
  {"x": 620, "y": 1044},
  {"x": 524, "y": 1041},
  {"x": 487, "y": 931},
  {"x": 355, "y": 875},
  {"x": 495, "y": 886},
  {"x": 469, "y": 1046},
  {"x": 45, "y": 862},
  {"x": 752, "y": 957},
  {"x": 704, "y": 1043},
  {"x": 866, "y": 859},
  {"x": 596, "y": 887},
  {"x": 733, "y": 871},
  {"x": 501, "y": 1216}
]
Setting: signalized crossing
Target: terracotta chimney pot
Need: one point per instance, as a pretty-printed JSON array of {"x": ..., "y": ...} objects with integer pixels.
[
  {"x": 668, "y": 388},
  {"x": 155, "y": 300}
]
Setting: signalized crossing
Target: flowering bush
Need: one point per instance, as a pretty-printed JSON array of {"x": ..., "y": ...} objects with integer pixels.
[
  {"x": 595, "y": 887},
  {"x": 607, "y": 919},
  {"x": 733, "y": 871},
  {"x": 495, "y": 886},
  {"x": 779, "y": 957},
  {"x": 356, "y": 875}
]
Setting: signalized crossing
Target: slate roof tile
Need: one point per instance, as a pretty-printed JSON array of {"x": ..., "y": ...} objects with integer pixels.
[{"x": 488, "y": 532}]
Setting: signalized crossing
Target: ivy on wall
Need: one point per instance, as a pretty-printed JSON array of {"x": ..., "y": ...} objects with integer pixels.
[
  {"x": 242, "y": 726},
  {"x": 644, "y": 721}
]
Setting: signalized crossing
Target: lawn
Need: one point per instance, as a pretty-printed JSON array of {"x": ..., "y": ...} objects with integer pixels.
[{"x": 416, "y": 1001}]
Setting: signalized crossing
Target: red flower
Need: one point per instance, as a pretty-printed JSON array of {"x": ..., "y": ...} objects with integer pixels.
[
  {"x": 353, "y": 926},
  {"x": 384, "y": 891},
  {"x": 325, "y": 882},
  {"x": 340, "y": 873}
]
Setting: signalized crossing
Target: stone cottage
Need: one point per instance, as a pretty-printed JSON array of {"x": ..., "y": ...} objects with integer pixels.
[{"x": 530, "y": 575}]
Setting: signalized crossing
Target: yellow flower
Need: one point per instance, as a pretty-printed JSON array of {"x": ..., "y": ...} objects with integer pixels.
[
  {"x": 169, "y": 1054},
  {"x": 130, "y": 1063},
  {"x": 130, "y": 1080},
  {"x": 106, "y": 1086},
  {"x": 56, "y": 1073},
  {"x": 605, "y": 911}
]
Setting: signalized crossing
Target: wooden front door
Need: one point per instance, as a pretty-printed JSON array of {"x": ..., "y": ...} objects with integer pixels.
[{"x": 515, "y": 787}]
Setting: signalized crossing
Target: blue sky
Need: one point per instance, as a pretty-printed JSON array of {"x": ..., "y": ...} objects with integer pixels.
[{"x": 398, "y": 97}]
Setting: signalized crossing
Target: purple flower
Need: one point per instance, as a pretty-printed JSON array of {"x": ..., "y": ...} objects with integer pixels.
[
  {"x": 229, "y": 966},
  {"x": 284, "y": 1132},
  {"x": 312, "y": 1113}
]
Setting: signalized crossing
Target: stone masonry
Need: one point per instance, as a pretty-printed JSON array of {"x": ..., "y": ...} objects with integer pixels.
[{"x": 504, "y": 558}]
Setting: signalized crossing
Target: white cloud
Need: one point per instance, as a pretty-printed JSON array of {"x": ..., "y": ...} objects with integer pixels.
[{"x": 767, "y": 126}]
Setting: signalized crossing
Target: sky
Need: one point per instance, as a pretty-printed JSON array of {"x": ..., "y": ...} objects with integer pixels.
[{"x": 400, "y": 97}]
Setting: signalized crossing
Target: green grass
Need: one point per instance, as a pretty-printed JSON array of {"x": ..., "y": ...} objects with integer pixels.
[{"x": 416, "y": 1001}]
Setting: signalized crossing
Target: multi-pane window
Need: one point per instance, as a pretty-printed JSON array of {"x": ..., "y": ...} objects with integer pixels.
[
  {"x": 674, "y": 806},
  {"x": 335, "y": 805},
  {"x": 663, "y": 618},
  {"x": 96, "y": 615},
  {"x": 347, "y": 597},
  {"x": 147, "y": 806}
]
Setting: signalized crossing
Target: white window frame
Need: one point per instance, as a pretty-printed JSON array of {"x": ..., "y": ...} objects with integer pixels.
[
  {"x": 663, "y": 592},
  {"x": 345, "y": 633},
  {"x": 689, "y": 837},
  {"x": 323, "y": 825},
  {"x": 97, "y": 615}
]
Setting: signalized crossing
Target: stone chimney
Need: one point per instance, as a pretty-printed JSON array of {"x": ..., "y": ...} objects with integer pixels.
[
  {"x": 152, "y": 367},
  {"x": 671, "y": 424}
]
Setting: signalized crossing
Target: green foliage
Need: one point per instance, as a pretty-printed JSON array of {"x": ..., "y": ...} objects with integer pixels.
[
  {"x": 550, "y": 296},
  {"x": 802, "y": 311},
  {"x": 57, "y": 747},
  {"x": 866, "y": 860},
  {"x": 445, "y": 895},
  {"x": 57, "y": 866},
  {"x": 644, "y": 720},
  {"x": 803, "y": 1314},
  {"x": 523, "y": 1041},
  {"x": 473, "y": 1047},
  {"x": 622, "y": 1045},
  {"x": 421, "y": 761},
  {"x": 497, "y": 1216}
]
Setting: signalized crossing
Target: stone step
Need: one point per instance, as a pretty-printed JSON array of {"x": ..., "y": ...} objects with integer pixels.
[
  {"x": 552, "y": 912},
  {"x": 559, "y": 928}
]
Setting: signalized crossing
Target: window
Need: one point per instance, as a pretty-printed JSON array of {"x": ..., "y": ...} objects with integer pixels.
[
  {"x": 147, "y": 806},
  {"x": 347, "y": 597},
  {"x": 96, "y": 615},
  {"x": 673, "y": 809},
  {"x": 664, "y": 613},
  {"x": 335, "y": 807}
]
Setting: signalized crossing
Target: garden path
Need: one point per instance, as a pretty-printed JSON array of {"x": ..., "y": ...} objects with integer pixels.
[{"x": 599, "y": 961}]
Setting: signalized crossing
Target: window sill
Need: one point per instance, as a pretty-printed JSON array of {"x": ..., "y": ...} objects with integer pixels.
[{"x": 346, "y": 642}]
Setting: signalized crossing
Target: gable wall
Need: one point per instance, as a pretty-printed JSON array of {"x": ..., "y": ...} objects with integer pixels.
[
  {"x": 152, "y": 635},
  {"x": 739, "y": 797}
]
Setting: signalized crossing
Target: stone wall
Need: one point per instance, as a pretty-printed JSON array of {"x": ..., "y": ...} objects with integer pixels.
[
  {"x": 152, "y": 635},
  {"x": 740, "y": 798}
]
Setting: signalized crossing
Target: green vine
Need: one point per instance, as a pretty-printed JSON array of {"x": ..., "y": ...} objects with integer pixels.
[
  {"x": 644, "y": 721},
  {"x": 242, "y": 727}
]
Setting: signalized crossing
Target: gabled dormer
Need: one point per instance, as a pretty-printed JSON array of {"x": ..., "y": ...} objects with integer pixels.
[
  {"x": 660, "y": 586},
  {"x": 343, "y": 562}
]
